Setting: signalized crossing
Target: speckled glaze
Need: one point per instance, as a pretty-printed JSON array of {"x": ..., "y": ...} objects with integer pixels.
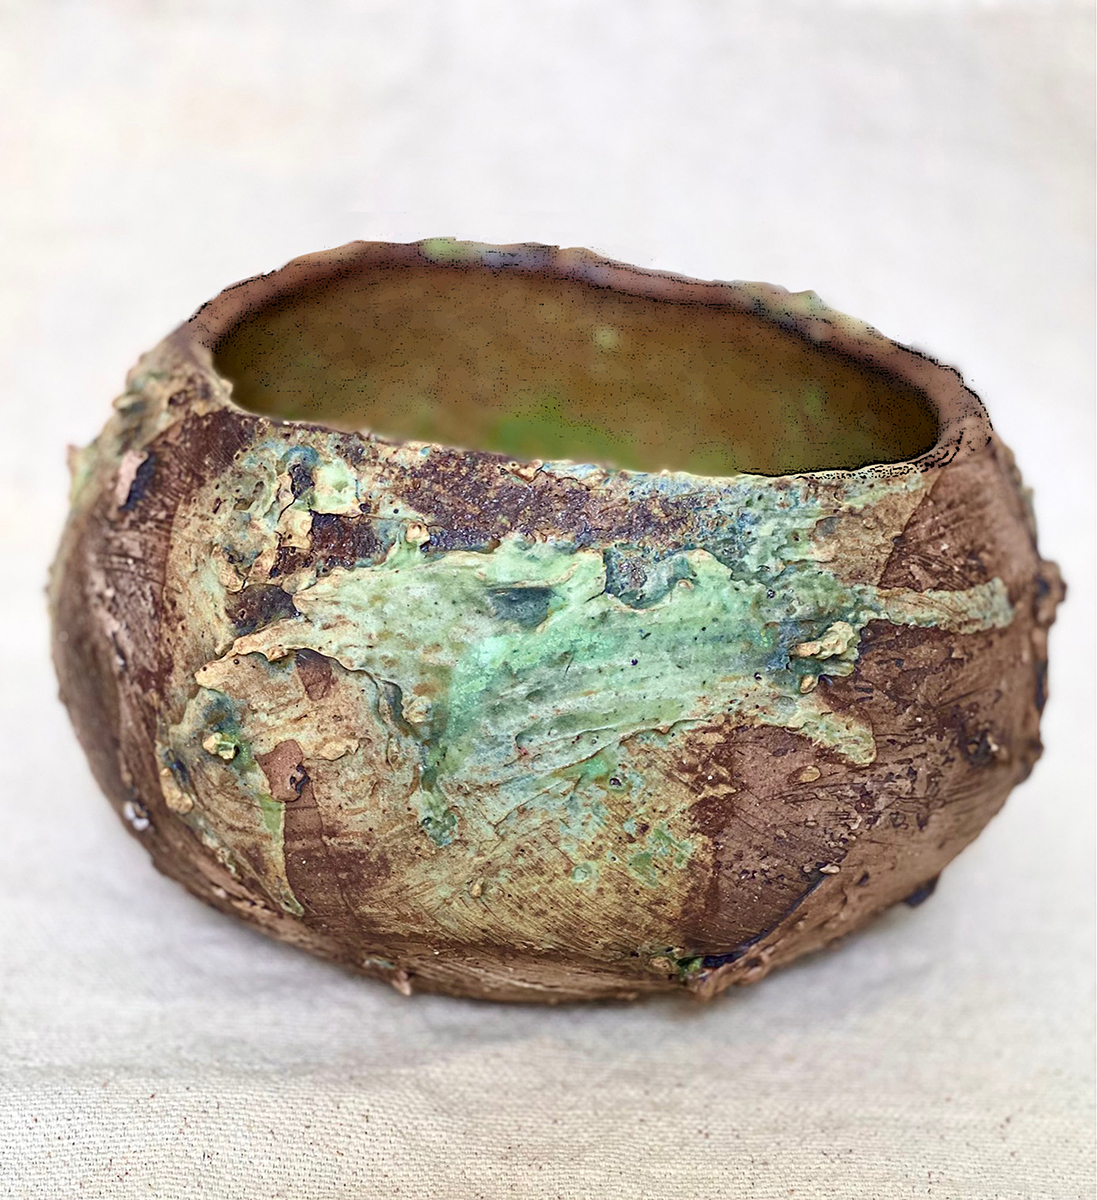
[{"x": 541, "y": 730}]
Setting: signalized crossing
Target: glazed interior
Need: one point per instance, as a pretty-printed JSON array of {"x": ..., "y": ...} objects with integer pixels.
[{"x": 537, "y": 366}]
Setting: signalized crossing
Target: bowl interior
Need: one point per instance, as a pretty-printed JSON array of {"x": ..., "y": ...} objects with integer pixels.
[{"x": 548, "y": 367}]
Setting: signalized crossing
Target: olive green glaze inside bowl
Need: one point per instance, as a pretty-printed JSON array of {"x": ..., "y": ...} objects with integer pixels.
[{"x": 539, "y": 365}]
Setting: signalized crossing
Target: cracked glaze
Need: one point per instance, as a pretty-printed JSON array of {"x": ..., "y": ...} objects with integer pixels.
[{"x": 541, "y": 730}]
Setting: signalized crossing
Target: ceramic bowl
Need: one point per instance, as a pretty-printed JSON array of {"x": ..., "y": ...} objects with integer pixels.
[{"x": 510, "y": 622}]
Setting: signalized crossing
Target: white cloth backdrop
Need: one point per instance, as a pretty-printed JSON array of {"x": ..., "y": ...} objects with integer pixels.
[{"x": 924, "y": 165}]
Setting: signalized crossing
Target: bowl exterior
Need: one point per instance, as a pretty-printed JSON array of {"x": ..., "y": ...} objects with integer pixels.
[{"x": 539, "y": 731}]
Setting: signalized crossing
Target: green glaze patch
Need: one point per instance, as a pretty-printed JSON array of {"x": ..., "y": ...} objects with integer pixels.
[
  {"x": 245, "y": 805},
  {"x": 687, "y": 968},
  {"x": 520, "y": 687},
  {"x": 662, "y": 851},
  {"x": 82, "y": 464},
  {"x": 545, "y": 427},
  {"x": 449, "y": 250},
  {"x": 586, "y": 872},
  {"x": 439, "y": 822},
  {"x": 509, "y": 712},
  {"x": 273, "y": 814}
]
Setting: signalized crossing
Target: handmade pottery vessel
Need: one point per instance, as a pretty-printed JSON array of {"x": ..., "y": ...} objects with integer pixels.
[{"x": 647, "y": 635}]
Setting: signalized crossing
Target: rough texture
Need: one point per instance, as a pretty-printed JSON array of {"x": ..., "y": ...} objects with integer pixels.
[{"x": 545, "y": 731}]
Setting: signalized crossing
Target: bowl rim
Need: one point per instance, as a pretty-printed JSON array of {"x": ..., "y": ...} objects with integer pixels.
[{"x": 964, "y": 427}]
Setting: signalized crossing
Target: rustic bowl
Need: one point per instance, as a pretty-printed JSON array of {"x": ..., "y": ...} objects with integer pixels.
[{"x": 500, "y": 721}]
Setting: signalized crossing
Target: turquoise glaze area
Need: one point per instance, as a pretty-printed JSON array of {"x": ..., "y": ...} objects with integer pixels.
[
  {"x": 521, "y": 657},
  {"x": 530, "y": 679},
  {"x": 518, "y": 668}
]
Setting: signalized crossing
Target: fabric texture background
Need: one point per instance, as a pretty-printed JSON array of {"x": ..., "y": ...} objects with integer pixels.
[{"x": 924, "y": 165}]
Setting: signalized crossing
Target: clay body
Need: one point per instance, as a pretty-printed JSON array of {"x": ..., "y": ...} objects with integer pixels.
[{"x": 539, "y": 728}]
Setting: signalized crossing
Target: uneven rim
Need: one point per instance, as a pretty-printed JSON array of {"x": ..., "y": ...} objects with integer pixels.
[{"x": 963, "y": 424}]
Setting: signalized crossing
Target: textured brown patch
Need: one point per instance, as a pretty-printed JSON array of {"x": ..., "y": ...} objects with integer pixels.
[
  {"x": 258, "y": 606},
  {"x": 315, "y": 672},
  {"x": 310, "y": 870},
  {"x": 965, "y": 531},
  {"x": 771, "y": 831},
  {"x": 955, "y": 719},
  {"x": 472, "y": 500},
  {"x": 288, "y": 559},
  {"x": 109, "y": 604},
  {"x": 285, "y": 771},
  {"x": 341, "y": 541}
]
